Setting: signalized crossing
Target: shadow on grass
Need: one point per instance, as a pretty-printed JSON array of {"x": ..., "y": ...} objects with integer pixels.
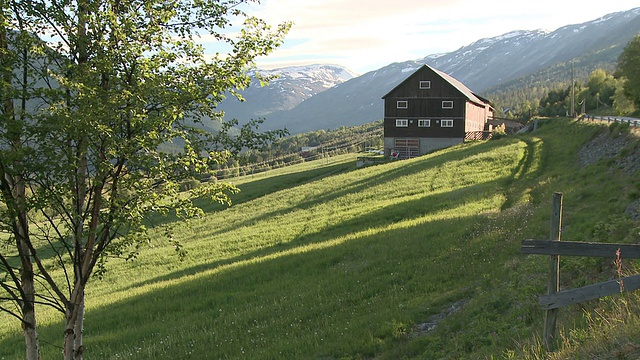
[
  {"x": 255, "y": 189},
  {"x": 349, "y": 285},
  {"x": 379, "y": 219},
  {"x": 258, "y": 188},
  {"x": 114, "y": 317},
  {"x": 395, "y": 171}
]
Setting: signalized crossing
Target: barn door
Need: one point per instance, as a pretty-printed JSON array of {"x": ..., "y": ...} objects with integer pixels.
[{"x": 407, "y": 148}]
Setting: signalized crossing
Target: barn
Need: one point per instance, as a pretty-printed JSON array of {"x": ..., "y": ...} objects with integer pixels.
[{"x": 431, "y": 110}]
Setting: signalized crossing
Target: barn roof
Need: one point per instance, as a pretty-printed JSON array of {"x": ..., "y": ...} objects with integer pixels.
[{"x": 451, "y": 80}]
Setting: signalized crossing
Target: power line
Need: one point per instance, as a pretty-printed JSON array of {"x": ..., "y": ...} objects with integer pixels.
[{"x": 298, "y": 157}]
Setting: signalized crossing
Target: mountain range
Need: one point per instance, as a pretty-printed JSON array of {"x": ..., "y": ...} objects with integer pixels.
[
  {"x": 289, "y": 87},
  {"x": 327, "y": 96}
]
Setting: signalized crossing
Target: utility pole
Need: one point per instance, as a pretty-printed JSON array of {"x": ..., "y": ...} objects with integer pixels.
[{"x": 573, "y": 92}]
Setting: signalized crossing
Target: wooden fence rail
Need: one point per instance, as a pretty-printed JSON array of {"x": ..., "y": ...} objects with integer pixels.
[
  {"x": 554, "y": 299},
  {"x": 575, "y": 248},
  {"x": 590, "y": 292}
]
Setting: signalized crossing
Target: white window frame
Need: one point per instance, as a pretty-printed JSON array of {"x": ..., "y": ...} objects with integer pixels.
[
  {"x": 402, "y": 104},
  {"x": 447, "y": 104},
  {"x": 424, "y": 123},
  {"x": 402, "y": 122},
  {"x": 446, "y": 123},
  {"x": 425, "y": 84}
]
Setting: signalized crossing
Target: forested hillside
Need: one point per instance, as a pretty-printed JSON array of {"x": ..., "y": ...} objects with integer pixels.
[
  {"x": 520, "y": 96},
  {"x": 309, "y": 146}
]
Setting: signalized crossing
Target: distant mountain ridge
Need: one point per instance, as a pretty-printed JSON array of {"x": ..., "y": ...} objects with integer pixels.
[
  {"x": 488, "y": 62},
  {"x": 291, "y": 86},
  {"x": 482, "y": 65}
]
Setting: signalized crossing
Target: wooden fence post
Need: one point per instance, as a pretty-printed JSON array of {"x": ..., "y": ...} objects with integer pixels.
[{"x": 553, "y": 285}]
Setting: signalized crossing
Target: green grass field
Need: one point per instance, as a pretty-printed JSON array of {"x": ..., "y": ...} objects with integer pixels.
[{"x": 407, "y": 259}]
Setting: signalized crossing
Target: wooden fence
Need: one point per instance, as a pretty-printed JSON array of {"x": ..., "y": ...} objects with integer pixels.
[{"x": 555, "y": 248}]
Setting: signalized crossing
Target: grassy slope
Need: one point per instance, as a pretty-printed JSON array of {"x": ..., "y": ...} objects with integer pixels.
[{"x": 326, "y": 261}]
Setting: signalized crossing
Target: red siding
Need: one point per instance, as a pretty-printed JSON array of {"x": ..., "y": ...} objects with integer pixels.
[{"x": 475, "y": 117}]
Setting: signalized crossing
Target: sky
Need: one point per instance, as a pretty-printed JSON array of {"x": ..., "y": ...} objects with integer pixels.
[{"x": 365, "y": 35}]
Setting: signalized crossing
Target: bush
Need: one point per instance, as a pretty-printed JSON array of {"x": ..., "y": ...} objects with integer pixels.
[
  {"x": 499, "y": 131},
  {"x": 189, "y": 184}
]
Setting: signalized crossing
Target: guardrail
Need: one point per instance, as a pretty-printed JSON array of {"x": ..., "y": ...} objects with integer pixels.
[{"x": 609, "y": 119}]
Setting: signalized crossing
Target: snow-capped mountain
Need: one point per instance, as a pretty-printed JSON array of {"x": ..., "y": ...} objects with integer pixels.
[
  {"x": 289, "y": 87},
  {"x": 488, "y": 62},
  {"x": 324, "y": 76},
  {"x": 481, "y": 65}
]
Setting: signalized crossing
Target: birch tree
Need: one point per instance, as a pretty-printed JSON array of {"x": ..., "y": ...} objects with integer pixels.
[{"x": 103, "y": 106}]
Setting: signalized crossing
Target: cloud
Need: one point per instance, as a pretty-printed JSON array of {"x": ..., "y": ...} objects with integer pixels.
[
  {"x": 367, "y": 34},
  {"x": 313, "y": 15},
  {"x": 350, "y": 33}
]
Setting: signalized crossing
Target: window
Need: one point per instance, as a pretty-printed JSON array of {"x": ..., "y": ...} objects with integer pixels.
[
  {"x": 425, "y": 84},
  {"x": 402, "y": 122},
  {"x": 446, "y": 123},
  {"x": 447, "y": 104},
  {"x": 403, "y": 104},
  {"x": 424, "y": 123}
]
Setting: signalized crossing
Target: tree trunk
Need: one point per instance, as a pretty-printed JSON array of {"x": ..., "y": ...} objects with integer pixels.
[
  {"x": 29, "y": 327},
  {"x": 78, "y": 330},
  {"x": 18, "y": 197},
  {"x": 26, "y": 275},
  {"x": 74, "y": 319},
  {"x": 74, "y": 316}
]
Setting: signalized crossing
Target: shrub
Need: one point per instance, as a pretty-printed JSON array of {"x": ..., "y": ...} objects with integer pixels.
[
  {"x": 499, "y": 131},
  {"x": 189, "y": 184}
]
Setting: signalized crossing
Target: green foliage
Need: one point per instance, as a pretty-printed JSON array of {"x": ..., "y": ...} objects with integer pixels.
[
  {"x": 369, "y": 134},
  {"x": 303, "y": 147},
  {"x": 498, "y": 132},
  {"x": 599, "y": 91},
  {"x": 629, "y": 69},
  {"x": 525, "y": 97},
  {"x": 618, "y": 227},
  {"x": 621, "y": 103},
  {"x": 189, "y": 184},
  {"x": 555, "y": 103},
  {"x": 596, "y": 95},
  {"x": 85, "y": 124},
  {"x": 521, "y": 97}
]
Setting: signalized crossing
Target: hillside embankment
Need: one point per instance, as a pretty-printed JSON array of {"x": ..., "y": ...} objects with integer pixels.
[
  {"x": 612, "y": 323},
  {"x": 619, "y": 144},
  {"x": 414, "y": 259}
]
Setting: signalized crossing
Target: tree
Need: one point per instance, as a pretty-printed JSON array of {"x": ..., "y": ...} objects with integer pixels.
[
  {"x": 87, "y": 120},
  {"x": 555, "y": 102},
  {"x": 599, "y": 91},
  {"x": 629, "y": 70},
  {"x": 621, "y": 104},
  {"x": 17, "y": 283}
]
